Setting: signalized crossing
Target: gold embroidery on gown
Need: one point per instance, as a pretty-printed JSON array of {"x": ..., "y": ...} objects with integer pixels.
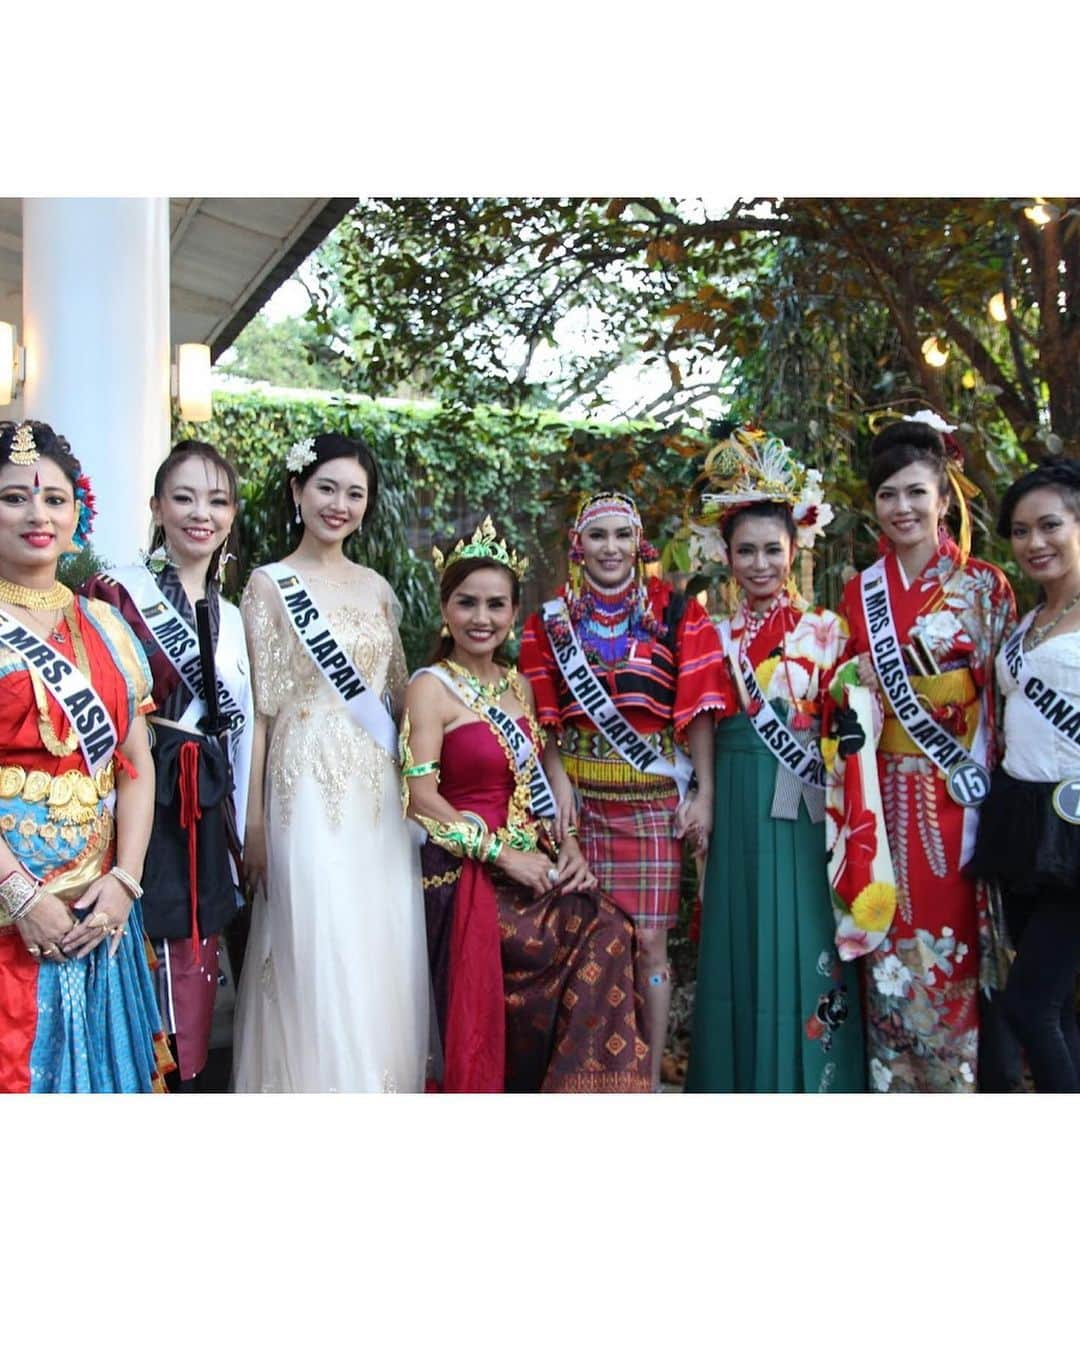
[{"x": 313, "y": 734}]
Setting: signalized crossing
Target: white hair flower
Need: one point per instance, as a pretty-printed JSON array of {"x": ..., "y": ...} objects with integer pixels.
[
  {"x": 301, "y": 454},
  {"x": 933, "y": 420}
]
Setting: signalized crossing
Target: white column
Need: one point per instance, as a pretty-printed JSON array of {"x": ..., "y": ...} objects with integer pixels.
[{"x": 96, "y": 331}]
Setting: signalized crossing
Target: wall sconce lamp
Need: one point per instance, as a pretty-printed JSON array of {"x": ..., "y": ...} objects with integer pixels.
[
  {"x": 191, "y": 381},
  {"x": 12, "y": 364},
  {"x": 934, "y": 353}
]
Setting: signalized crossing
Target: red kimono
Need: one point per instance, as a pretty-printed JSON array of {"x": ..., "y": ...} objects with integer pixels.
[{"x": 921, "y": 983}]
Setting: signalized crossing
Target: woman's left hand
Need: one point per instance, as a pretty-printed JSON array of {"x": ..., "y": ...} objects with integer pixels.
[
  {"x": 693, "y": 820},
  {"x": 111, "y": 905},
  {"x": 575, "y": 876}
]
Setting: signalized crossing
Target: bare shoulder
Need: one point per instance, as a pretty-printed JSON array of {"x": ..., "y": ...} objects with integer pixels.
[{"x": 427, "y": 698}]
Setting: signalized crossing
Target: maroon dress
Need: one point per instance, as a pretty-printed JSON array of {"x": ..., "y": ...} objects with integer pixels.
[{"x": 532, "y": 993}]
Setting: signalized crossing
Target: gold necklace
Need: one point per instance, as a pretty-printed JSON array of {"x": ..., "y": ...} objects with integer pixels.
[
  {"x": 490, "y": 691},
  {"x": 51, "y": 741},
  {"x": 35, "y": 600}
]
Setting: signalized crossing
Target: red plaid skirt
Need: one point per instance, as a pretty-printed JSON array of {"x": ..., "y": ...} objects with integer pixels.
[{"x": 630, "y": 848}]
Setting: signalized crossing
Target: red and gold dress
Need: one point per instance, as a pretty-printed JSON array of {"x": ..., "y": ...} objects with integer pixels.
[
  {"x": 921, "y": 983},
  {"x": 91, "y": 1024},
  {"x": 532, "y": 994},
  {"x": 659, "y": 678}
]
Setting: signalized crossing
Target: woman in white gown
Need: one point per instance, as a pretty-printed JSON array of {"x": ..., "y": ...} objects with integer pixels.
[{"x": 334, "y": 993}]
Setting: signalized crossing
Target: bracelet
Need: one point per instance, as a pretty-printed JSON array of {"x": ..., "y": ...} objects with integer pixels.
[
  {"x": 494, "y": 850},
  {"x": 134, "y": 888},
  {"x": 18, "y": 894}
]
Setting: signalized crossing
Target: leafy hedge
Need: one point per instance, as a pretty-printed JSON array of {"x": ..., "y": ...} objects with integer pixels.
[{"x": 441, "y": 469}]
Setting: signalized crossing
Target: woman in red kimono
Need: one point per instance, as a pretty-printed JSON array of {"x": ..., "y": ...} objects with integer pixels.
[
  {"x": 532, "y": 969},
  {"x": 657, "y": 661},
  {"x": 77, "y": 1007},
  {"x": 949, "y": 614}
]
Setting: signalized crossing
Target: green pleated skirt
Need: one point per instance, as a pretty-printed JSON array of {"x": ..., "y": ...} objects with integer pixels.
[{"x": 775, "y": 1009}]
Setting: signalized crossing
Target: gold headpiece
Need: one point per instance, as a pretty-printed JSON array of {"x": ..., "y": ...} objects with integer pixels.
[
  {"x": 482, "y": 543},
  {"x": 23, "y": 449},
  {"x": 750, "y": 465}
]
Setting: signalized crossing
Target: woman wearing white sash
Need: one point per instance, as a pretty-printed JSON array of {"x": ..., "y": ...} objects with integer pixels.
[
  {"x": 775, "y": 1011},
  {"x": 334, "y": 993},
  {"x": 77, "y": 1006},
  {"x": 1029, "y": 828},
  {"x": 193, "y": 508},
  {"x": 949, "y": 614},
  {"x": 532, "y": 967}
]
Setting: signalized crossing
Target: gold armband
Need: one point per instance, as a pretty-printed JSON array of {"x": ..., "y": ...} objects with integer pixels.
[
  {"x": 467, "y": 837},
  {"x": 411, "y": 770}
]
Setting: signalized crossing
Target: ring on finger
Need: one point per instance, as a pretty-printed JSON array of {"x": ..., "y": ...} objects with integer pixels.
[{"x": 34, "y": 950}]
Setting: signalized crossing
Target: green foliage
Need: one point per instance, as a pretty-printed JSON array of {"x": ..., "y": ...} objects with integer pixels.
[
  {"x": 80, "y": 566},
  {"x": 286, "y": 354},
  {"x": 460, "y": 295},
  {"x": 441, "y": 469}
]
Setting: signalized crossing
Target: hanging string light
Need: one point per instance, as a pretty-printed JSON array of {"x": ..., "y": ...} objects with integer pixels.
[
  {"x": 934, "y": 353},
  {"x": 997, "y": 308}
]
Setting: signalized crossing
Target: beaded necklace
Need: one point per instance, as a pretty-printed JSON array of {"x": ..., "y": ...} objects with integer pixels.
[{"x": 607, "y": 622}]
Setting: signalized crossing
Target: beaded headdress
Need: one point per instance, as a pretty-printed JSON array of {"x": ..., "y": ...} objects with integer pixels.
[
  {"x": 749, "y": 465},
  {"x": 603, "y": 505},
  {"x": 483, "y": 543}
]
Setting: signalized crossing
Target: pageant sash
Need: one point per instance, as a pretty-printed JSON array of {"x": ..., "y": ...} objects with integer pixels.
[
  {"x": 314, "y": 633},
  {"x": 802, "y": 760},
  {"x": 599, "y": 707},
  {"x": 89, "y": 718},
  {"x": 541, "y": 796},
  {"x": 967, "y": 781},
  {"x": 180, "y": 645},
  {"x": 1059, "y": 711}
]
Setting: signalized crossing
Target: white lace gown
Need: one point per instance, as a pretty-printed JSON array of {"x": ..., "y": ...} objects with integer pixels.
[{"x": 334, "y": 993}]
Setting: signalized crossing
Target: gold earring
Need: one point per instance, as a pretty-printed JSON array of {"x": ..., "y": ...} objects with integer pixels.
[{"x": 444, "y": 630}]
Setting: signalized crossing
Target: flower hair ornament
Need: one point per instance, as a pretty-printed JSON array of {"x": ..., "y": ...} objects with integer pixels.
[
  {"x": 486, "y": 544},
  {"x": 300, "y": 455},
  {"x": 84, "y": 499},
  {"x": 747, "y": 466},
  {"x": 963, "y": 488}
]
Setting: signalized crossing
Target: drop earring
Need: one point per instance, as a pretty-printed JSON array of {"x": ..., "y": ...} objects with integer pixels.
[{"x": 296, "y": 516}]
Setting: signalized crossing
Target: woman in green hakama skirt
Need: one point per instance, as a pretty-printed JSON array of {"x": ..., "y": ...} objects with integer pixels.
[{"x": 776, "y": 1011}]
